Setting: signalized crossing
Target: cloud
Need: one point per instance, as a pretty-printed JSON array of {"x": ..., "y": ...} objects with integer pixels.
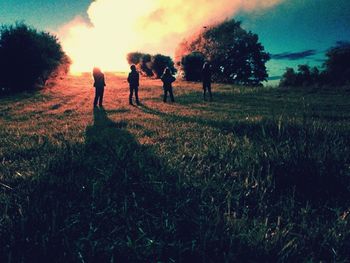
[
  {"x": 294, "y": 55},
  {"x": 116, "y": 27}
]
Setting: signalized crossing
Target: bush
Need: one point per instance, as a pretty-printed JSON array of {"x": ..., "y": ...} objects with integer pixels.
[
  {"x": 192, "y": 66},
  {"x": 134, "y": 57},
  {"x": 160, "y": 62},
  {"x": 142, "y": 61},
  {"x": 150, "y": 65},
  {"x": 146, "y": 65},
  {"x": 28, "y": 57}
]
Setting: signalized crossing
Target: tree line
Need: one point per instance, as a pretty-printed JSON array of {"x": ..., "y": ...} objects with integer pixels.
[
  {"x": 335, "y": 70},
  {"x": 29, "y": 57},
  {"x": 151, "y": 65}
]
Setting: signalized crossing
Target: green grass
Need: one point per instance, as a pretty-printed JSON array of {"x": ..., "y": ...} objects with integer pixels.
[{"x": 257, "y": 175}]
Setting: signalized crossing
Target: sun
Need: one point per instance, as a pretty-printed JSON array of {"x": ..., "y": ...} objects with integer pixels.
[
  {"x": 106, "y": 38},
  {"x": 88, "y": 47}
]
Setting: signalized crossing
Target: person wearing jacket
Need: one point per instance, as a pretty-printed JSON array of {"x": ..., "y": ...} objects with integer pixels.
[
  {"x": 99, "y": 84},
  {"x": 168, "y": 79},
  {"x": 206, "y": 79},
  {"x": 133, "y": 80}
]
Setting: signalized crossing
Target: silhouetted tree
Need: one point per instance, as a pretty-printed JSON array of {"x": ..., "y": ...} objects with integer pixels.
[
  {"x": 192, "y": 66},
  {"x": 146, "y": 65},
  {"x": 150, "y": 65},
  {"x": 160, "y": 62},
  {"x": 236, "y": 55},
  {"x": 305, "y": 76},
  {"x": 316, "y": 76},
  {"x": 337, "y": 65},
  {"x": 289, "y": 78},
  {"x": 336, "y": 70},
  {"x": 28, "y": 57},
  {"x": 142, "y": 61},
  {"x": 63, "y": 68},
  {"x": 134, "y": 58}
]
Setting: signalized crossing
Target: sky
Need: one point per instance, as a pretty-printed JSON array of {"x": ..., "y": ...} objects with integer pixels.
[
  {"x": 299, "y": 31},
  {"x": 293, "y": 31}
]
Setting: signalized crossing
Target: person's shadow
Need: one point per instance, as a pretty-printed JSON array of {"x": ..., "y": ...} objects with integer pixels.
[
  {"x": 111, "y": 149},
  {"x": 108, "y": 142}
]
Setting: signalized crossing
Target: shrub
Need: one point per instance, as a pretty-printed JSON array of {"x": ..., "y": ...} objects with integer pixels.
[
  {"x": 150, "y": 65},
  {"x": 28, "y": 57},
  {"x": 192, "y": 66},
  {"x": 134, "y": 57},
  {"x": 160, "y": 62}
]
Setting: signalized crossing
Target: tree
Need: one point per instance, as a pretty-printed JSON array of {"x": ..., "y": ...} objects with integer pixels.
[
  {"x": 160, "y": 62},
  {"x": 336, "y": 70},
  {"x": 142, "y": 61},
  {"x": 315, "y": 76},
  {"x": 236, "y": 55},
  {"x": 289, "y": 78},
  {"x": 192, "y": 66},
  {"x": 134, "y": 57},
  {"x": 337, "y": 65},
  {"x": 146, "y": 65},
  {"x": 305, "y": 76},
  {"x": 27, "y": 57},
  {"x": 150, "y": 65}
]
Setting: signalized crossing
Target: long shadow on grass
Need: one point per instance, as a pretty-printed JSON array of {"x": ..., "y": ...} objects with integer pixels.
[
  {"x": 110, "y": 199},
  {"x": 90, "y": 204}
]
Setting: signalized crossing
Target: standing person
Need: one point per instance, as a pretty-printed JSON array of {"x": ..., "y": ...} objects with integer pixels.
[
  {"x": 133, "y": 80},
  {"x": 99, "y": 84},
  {"x": 206, "y": 79},
  {"x": 168, "y": 79}
]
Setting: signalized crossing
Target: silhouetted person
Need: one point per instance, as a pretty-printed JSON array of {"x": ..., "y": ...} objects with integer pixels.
[
  {"x": 99, "y": 84},
  {"x": 133, "y": 80},
  {"x": 206, "y": 79},
  {"x": 168, "y": 79}
]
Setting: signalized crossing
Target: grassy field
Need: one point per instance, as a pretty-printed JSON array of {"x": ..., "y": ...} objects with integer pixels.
[{"x": 257, "y": 175}]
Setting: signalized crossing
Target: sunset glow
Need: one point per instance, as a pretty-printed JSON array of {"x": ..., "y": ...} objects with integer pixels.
[{"x": 155, "y": 26}]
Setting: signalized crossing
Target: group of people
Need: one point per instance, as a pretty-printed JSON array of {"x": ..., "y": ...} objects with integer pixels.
[{"x": 133, "y": 80}]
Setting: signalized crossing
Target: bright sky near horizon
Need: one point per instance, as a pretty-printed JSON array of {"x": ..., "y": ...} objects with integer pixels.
[{"x": 293, "y": 31}]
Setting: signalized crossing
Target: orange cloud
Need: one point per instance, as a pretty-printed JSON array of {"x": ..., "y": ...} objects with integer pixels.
[{"x": 117, "y": 27}]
